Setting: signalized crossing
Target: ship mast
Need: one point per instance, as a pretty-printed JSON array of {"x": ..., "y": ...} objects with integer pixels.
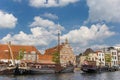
[
  {"x": 59, "y": 41},
  {"x": 58, "y": 38},
  {"x": 11, "y": 53}
]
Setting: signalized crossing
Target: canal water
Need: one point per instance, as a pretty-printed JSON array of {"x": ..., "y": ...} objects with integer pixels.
[{"x": 66, "y": 76}]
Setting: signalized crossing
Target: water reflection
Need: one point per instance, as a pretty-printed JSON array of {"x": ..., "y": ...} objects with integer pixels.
[{"x": 66, "y": 76}]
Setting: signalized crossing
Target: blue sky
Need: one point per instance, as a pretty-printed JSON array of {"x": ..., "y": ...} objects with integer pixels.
[{"x": 86, "y": 23}]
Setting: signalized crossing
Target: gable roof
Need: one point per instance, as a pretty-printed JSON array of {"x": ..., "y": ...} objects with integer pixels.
[
  {"x": 5, "y": 52},
  {"x": 87, "y": 51},
  {"x": 50, "y": 51}
]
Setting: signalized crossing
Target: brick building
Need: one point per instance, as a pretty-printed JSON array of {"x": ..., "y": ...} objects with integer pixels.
[
  {"x": 66, "y": 55},
  {"x": 11, "y": 53}
]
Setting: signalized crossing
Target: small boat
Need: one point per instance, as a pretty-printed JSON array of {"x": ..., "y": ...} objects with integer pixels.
[
  {"x": 21, "y": 71},
  {"x": 89, "y": 68},
  {"x": 7, "y": 71}
]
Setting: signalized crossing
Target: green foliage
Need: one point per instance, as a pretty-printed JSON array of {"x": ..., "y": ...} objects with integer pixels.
[
  {"x": 56, "y": 57},
  {"x": 107, "y": 58},
  {"x": 21, "y": 54},
  {"x": 86, "y": 58}
]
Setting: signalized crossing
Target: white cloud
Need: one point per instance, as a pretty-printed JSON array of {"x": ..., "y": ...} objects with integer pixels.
[
  {"x": 48, "y": 24},
  {"x": 89, "y": 37},
  {"x": 7, "y": 20},
  {"x": 99, "y": 47},
  {"x": 50, "y": 16},
  {"x": 50, "y": 3},
  {"x": 117, "y": 45},
  {"x": 104, "y": 10},
  {"x": 80, "y": 49},
  {"x": 80, "y": 39},
  {"x": 43, "y": 32},
  {"x": 85, "y": 35}
]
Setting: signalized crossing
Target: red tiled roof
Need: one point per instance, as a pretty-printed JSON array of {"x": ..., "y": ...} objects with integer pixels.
[
  {"x": 47, "y": 57},
  {"x": 52, "y": 50},
  {"x": 5, "y": 52}
]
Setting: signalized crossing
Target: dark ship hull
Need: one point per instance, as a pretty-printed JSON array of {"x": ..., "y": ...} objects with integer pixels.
[
  {"x": 68, "y": 69},
  {"x": 89, "y": 69}
]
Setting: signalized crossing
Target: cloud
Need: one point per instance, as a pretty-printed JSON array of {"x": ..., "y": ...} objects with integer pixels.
[
  {"x": 42, "y": 35},
  {"x": 7, "y": 20},
  {"x": 50, "y": 16},
  {"x": 23, "y": 38},
  {"x": 118, "y": 45},
  {"x": 80, "y": 49},
  {"x": 50, "y": 3},
  {"x": 99, "y": 46},
  {"x": 43, "y": 32},
  {"x": 38, "y": 21},
  {"x": 85, "y": 35},
  {"x": 104, "y": 10}
]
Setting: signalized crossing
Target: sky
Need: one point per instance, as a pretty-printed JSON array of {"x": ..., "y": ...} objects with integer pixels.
[{"x": 85, "y": 23}]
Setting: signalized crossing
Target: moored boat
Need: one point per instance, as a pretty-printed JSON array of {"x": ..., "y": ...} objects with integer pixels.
[
  {"x": 89, "y": 68},
  {"x": 7, "y": 71},
  {"x": 41, "y": 68}
]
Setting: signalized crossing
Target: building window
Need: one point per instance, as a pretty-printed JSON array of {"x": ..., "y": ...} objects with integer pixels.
[
  {"x": 99, "y": 59},
  {"x": 103, "y": 54},
  {"x": 115, "y": 57},
  {"x": 103, "y": 59},
  {"x": 99, "y": 54},
  {"x": 113, "y": 53}
]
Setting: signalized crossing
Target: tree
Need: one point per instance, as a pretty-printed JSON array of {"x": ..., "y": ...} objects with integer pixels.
[
  {"x": 107, "y": 57},
  {"x": 56, "y": 57},
  {"x": 21, "y": 54},
  {"x": 87, "y": 58}
]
